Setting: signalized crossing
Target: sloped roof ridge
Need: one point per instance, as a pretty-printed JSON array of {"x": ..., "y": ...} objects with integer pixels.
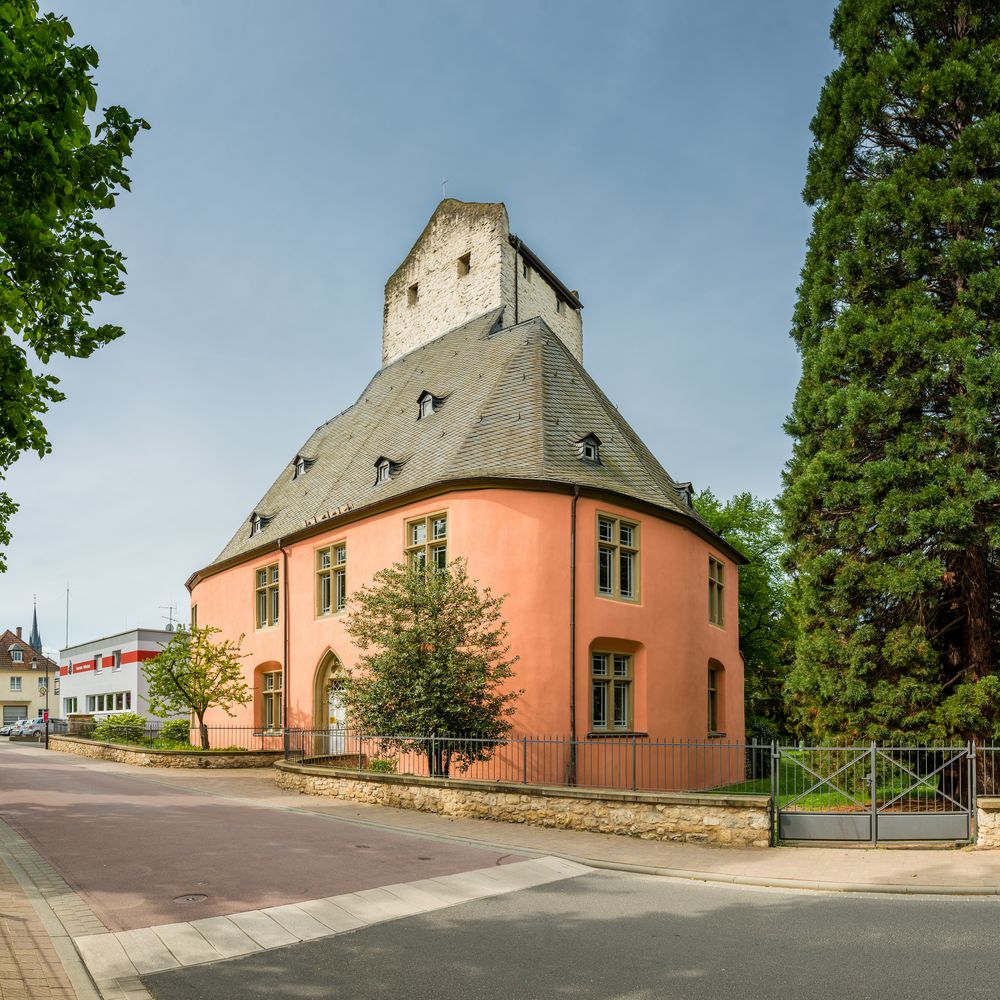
[
  {"x": 396, "y": 367},
  {"x": 651, "y": 464}
]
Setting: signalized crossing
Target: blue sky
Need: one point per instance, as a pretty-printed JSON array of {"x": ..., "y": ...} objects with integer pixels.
[{"x": 652, "y": 154}]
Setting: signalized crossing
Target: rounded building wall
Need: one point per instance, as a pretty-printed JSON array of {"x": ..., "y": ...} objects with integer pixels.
[{"x": 517, "y": 542}]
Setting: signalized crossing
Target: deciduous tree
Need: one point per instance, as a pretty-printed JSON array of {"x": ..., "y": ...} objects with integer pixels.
[
  {"x": 193, "y": 673},
  {"x": 767, "y": 622},
  {"x": 435, "y": 663},
  {"x": 59, "y": 166}
]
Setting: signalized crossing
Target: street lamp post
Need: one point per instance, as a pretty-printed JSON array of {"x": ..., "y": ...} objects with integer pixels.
[{"x": 34, "y": 666}]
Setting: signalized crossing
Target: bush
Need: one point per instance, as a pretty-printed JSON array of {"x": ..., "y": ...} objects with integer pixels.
[
  {"x": 125, "y": 727},
  {"x": 382, "y": 765},
  {"x": 175, "y": 731}
]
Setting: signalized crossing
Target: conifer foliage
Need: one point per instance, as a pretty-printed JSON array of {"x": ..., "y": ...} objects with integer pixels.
[{"x": 891, "y": 495}]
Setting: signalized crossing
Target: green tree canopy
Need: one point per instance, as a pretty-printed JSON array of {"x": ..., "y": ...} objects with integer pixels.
[
  {"x": 891, "y": 494},
  {"x": 435, "y": 663},
  {"x": 59, "y": 165},
  {"x": 767, "y": 624},
  {"x": 193, "y": 673}
]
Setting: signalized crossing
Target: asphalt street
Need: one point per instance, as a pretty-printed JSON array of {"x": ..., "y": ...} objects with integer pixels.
[{"x": 631, "y": 937}]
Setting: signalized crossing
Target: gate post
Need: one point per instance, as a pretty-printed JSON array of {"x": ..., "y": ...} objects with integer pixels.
[
  {"x": 973, "y": 783},
  {"x": 874, "y": 790},
  {"x": 775, "y": 784}
]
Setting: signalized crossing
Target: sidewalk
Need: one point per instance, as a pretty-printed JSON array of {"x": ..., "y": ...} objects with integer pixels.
[
  {"x": 29, "y": 964},
  {"x": 883, "y": 870}
]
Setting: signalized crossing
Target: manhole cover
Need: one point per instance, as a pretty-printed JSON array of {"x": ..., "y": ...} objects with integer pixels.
[{"x": 191, "y": 897}]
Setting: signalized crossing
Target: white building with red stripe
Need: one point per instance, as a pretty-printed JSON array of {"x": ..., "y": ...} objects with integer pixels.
[{"x": 104, "y": 677}]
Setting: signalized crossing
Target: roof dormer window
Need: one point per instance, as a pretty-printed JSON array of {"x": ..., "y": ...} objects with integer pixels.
[
  {"x": 17, "y": 654},
  {"x": 385, "y": 469},
  {"x": 686, "y": 491},
  {"x": 257, "y": 524},
  {"x": 301, "y": 466},
  {"x": 427, "y": 404},
  {"x": 589, "y": 448}
]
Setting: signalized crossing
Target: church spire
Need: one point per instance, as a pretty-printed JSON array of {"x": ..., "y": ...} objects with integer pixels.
[{"x": 35, "y": 640}]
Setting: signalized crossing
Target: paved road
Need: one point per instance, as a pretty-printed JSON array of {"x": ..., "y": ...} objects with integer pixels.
[
  {"x": 130, "y": 844},
  {"x": 627, "y": 937}
]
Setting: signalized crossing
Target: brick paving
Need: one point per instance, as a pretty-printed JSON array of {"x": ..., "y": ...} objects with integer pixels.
[{"x": 30, "y": 968}]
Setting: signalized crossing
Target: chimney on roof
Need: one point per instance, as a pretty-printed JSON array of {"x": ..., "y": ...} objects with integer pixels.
[{"x": 19, "y": 631}]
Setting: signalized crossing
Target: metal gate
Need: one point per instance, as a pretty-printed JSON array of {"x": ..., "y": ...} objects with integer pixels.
[{"x": 871, "y": 794}]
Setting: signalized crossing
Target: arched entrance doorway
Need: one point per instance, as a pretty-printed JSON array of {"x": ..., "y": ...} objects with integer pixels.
[{"x": 329, "y": 707}]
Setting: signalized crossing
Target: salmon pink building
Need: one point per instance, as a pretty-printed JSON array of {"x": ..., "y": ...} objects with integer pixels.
[{"x": 483, "y": 437}]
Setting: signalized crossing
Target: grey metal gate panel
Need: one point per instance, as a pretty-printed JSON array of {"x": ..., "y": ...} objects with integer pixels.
[
  {"x": 870, "y": 794},
  {"x": 924, "y": 826},
  {"x": 11, "y": 713},
  {"x": 825, "y": 826}
]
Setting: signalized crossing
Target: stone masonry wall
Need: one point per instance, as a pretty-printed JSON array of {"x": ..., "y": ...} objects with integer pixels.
[
  {"x": 162, "y": 758},
  {"x": 536, "y": 297},
  {"x": 446, "y": 297},
  {"x": 987, "y": 822},
  {"x": 729, "y": 820}
]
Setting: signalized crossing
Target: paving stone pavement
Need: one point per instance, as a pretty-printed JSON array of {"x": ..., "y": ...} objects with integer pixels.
[
  {"x": 51, "y": 915},
  {"x": 30, "y": 966}
]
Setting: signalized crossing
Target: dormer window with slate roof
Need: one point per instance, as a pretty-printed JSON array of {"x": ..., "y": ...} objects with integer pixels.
[
  {"x": 17, "y": 654},
  {"x": 427, "y": 404},
  {"x": 385, "y": 469},
  {"x": 686, "y": 491},
  {"x": 258, "y": 523},
  {"x": 589, "y": 448},
  {"x": 301, "y": 466}
]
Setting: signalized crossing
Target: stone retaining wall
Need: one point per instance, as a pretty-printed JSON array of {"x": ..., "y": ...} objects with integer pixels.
[
  {"x": 146, "y": 757},
  {"x": 692, "y": 817},
  {"x": 987, "y": 822}
]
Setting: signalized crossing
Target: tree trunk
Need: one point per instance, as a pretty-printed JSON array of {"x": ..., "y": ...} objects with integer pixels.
[
  {"x": 203, "y": 729},
  {"x": 977, "y": 625}
]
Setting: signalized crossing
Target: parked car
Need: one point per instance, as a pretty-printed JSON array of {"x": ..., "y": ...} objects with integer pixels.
[
  {"x": 13, "y": 727},
  {"x": 35, "y": 729}
]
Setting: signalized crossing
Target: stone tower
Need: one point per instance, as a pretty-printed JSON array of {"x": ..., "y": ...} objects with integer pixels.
[{"x": 465, "y": 263}]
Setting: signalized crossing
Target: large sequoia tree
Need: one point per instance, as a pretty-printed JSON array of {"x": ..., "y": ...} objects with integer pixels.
[{"x": 891, "y": 494}]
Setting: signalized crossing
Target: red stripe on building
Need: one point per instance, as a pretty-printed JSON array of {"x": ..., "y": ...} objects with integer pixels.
[{"x": 138, "y": 655}]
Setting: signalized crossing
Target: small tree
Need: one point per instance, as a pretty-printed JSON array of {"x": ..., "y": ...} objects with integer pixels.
[
  {"x": 435, "y": 663},
  {"x": 193, "y": 674}
]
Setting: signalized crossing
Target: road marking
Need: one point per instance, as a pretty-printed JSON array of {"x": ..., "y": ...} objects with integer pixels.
[{"x": 125, "y": 955}]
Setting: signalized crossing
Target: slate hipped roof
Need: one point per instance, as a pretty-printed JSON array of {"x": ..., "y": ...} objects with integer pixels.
[{"x": 514, "y": 405}]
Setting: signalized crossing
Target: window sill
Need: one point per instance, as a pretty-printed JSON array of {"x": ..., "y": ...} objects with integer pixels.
[
  {"x": 716, "y": 736},
  {"x": 620, "y": 600},
  {"x": 623, "y": 734}
]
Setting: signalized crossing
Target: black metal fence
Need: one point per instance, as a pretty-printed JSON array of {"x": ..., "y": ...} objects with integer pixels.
[{"x": 628, "y": 763}]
